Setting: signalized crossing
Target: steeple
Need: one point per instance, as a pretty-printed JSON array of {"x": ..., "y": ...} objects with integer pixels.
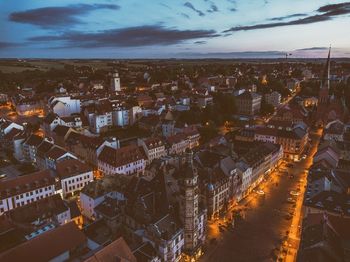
[{"x": 325, "y": 81}]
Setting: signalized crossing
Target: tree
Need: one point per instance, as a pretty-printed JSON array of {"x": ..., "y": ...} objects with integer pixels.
[{"x": 266, "y": 109}]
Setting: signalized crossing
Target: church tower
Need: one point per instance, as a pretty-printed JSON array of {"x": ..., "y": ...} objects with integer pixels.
[
  {"x": 189, "y": 212},
  {"x": 323, "y": 97}
]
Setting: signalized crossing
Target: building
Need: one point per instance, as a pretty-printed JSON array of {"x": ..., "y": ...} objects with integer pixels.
[
  {"x": 51, "y": 210},
  {"x": 217, "y": 193},
  {"x": 59, "y": 244},
  {"x": 64, "y": 105},
  {"x": 293, "y": 140},
  {"x": 115, "y": 83},
  {"x": 329, "y": 107},
  {"x": 26, "y": 189},
  {"x": 73, "y": 175},
  {"x": 30, "y": 146},
  {"x": 125, "y": 160},
  {"x": 248, "y": 103},
  {"x": 262, "y": 159},
  {"x": 96, "y": 192},
  {"x": 273, "y": 98},
  {"x": 154, "y": 148},
  {"x": 55, "y": 155},
  {"x": 191, "y": 216},
  {"x": 118, "y": 250},
  {"x": 120, "y": 117},
  {"x": 177, "y": 144},
  {"x": 166, "y": 236}
]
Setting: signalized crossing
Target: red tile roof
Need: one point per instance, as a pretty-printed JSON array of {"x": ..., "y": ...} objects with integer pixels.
[
  {"x": 71, "y": 167},
  {"x": 25, "y": 183},
  {"x": 121, "y": 156},
  {"x": 48, "y": 245}
]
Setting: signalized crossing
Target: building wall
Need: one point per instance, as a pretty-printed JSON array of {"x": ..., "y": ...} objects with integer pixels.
[
  {"x": 76, "y": 183},
  {"x": 26, "y": 198}
]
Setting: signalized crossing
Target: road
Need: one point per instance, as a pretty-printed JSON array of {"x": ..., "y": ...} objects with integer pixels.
[{"x": 270, "y": 226}]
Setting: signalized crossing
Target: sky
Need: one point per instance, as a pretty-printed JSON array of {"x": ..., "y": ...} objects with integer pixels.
[{"x": 173, "y": 28}]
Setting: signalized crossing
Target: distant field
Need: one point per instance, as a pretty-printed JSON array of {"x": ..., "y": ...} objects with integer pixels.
[{"x": 14, "y": 69}]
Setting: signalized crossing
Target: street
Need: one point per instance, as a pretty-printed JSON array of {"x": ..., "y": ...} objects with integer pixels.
[{"x": 270, "y": 224}]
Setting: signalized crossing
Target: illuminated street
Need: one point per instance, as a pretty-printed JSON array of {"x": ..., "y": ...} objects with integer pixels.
[{"x": 267, "y": 223}]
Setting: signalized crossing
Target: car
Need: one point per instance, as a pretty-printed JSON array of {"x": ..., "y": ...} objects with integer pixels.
[
  {"x": 3, "y": 176},
  {"x": 294, "y": 193}
]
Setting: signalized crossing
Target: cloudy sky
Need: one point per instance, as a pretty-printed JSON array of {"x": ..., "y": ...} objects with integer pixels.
[{"x": 173, "y": 28}]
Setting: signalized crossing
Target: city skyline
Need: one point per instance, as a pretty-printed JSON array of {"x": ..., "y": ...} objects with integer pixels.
[{"x": 180, "y": 29}]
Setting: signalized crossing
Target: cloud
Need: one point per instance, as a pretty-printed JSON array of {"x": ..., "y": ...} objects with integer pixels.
[
  {"x": 4, "y": 45},
  {"x": 213, "y": 8},
  {"x": 60, "y": 16},
  {"x": 190, "y": 6},
  {"x": 312, "y": 48},
  {"x": 126, "y": 37},
  {"x": 238, "y": 55},
  {"x": 200, "y": 42},
  {"x": 324, "y": 13},
  {"x": 286, "y": 17},
  {"x": 185, "y": 15}
]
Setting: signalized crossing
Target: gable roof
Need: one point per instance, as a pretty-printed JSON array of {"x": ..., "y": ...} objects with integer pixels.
[{"x": 47, "y": 245}]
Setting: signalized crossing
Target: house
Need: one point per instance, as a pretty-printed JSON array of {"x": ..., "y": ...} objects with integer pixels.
[
  {"x": 60, "y": 134},
  {"x": 64, "y": 105},
  {"x": 166, "y": 236},
  {"x": 56, "y": 154},
  {"x": 30, "y": 146},
  {"x": 217, "y": 193},
  {"x": 154, "y": 148},
  {"x": 62, "y": 243},
  {"x": 88, "y": 148},
  {"x": 248, "y": 103},
  {"x": 6, "y": 126},
  {"x": 96, "y": 192},
  {"x": 73, "y": 175},
  {"x": 125, "y": 160},
  {"x": 49, "y": 210},
  {"x": 177, "y": 144},
  {"x": 273, "y": 98},
  {"x": 118, "y": 250},
  {"x": 26, "y": 189}
]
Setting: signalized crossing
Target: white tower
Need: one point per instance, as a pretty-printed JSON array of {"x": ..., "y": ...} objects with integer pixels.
[{"x": 115, "y": 82}]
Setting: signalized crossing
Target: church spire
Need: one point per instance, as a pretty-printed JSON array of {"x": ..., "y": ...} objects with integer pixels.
[{"x": 327, "y": 71}]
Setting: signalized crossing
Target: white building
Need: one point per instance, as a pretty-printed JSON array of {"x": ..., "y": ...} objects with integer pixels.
[
  {"x": 26, "y": 189},
  {"x": 121, "y": 117},
  {"x": 73, "y": 175},
  {"x": 65, "y": 105},
  {"x": 100, "y": 122},
  {"x": 125, "y": 160},
  {"x": 153, "y": 147},
  {"x": 7, "y": 126},
  {"x": 115, "y": 82}
]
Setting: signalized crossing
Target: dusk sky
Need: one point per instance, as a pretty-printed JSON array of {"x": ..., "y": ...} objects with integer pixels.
[{"x": 173, "y": 28}]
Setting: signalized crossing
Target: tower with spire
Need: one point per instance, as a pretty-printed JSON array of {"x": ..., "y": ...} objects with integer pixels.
[
  {"x": 190, "y": 214},
  {"x": 329, "y": 107}
]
